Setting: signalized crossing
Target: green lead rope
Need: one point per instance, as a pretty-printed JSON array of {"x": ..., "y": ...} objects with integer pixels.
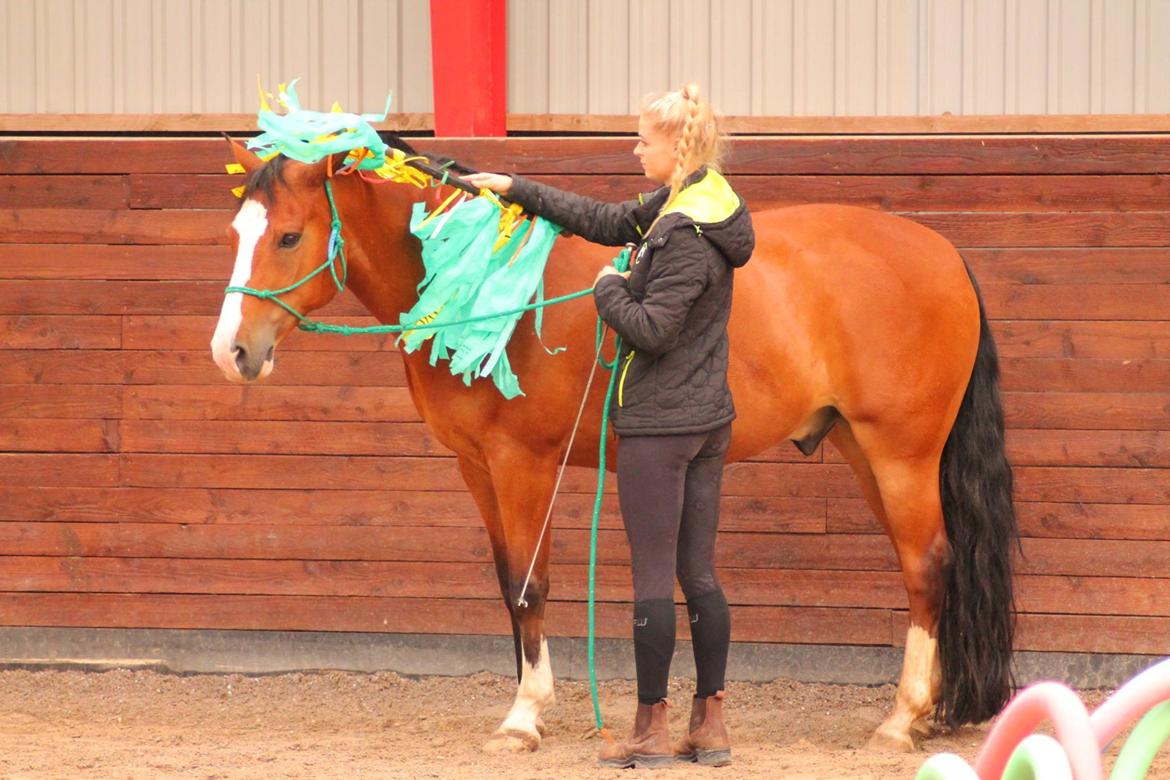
[{"x": 622, "y": 263}]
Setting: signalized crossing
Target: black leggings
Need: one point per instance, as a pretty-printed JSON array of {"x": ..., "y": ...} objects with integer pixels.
[{"x": 668, "y": 487}]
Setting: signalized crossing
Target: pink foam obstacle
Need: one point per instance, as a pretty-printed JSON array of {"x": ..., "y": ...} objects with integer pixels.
[
  {"x": 1009, "y": 753},
  {"x": 1031, "y": 707}
]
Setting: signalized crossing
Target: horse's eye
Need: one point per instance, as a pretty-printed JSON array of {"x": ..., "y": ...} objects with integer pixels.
[{"x": 290, "y": 240}]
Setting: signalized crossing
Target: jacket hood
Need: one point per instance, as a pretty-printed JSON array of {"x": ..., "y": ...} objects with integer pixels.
[{"x": 718, "y": 213}]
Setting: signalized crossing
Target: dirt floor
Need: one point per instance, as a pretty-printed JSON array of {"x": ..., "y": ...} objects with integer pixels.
[{"x": 145, "y": 724}]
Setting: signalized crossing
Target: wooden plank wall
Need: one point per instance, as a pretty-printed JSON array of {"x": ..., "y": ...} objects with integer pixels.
[{"x": 139, "y": 489}]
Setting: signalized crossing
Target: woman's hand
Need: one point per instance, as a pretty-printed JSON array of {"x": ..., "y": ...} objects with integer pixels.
[
  {"x": 609, "y": 270},
  {"x": 496, "y": 182}
]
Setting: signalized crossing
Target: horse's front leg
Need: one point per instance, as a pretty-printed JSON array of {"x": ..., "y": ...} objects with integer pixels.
[{"x": 523, "y": 485}]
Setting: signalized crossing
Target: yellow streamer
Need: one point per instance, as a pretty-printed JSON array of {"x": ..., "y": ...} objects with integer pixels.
[{"x": 442, "y": 206}]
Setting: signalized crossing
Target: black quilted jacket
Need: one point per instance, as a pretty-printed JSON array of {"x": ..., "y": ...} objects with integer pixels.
[{"x": 672, "y": 312}]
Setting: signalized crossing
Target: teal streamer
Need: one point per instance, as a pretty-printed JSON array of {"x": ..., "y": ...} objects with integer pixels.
[{"x": 465, "y": 279}]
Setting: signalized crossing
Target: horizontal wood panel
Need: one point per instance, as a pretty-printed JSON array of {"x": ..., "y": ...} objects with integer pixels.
[
  {"x": 1082, "y": 633},
  {"x": 1062, "y": 339},
  {"x": 58, "y": 435},
  {"x": 1015, "y": 338},
  {"x": 434, "y": 616},
  {"x": 36, "y": 470},
  {"x": 364, "y": 473},
  {"x": 81, "y": 192},
  {"x": 922, "y": 154},
  {"x": 1026, "y": 447},
  {"x": 323, "y": 507},
  {"x": 1109, "y": 411},
  {"x": 746, "y": 479},
  {"x": 423, "y": 543},
  {"x": 744, "y": 586},
  {"x": 140, "y": 297},
  {"x": 1094, "y": 634},
  {"x": 1068, "y": 520},
  {"x": 179, "y": 367},
  {"x": 71, "y": 226},
  {"x": 61, "y": 401},
  {"x": 270, "y": 402},
  {"x": 194, "y": 333},
  {"x": 280, "y": 438},
  {"x": 1060, "y": 410},
  {"x": 891, "y": 193},
  {"x": 32, "y": 332},
  {"x": 865, "y": 552},
  {"x": 1014, "y": 265},
  {"x": 964, "y": 229},
  {"x": 1069, "y": 265},
  {"x": 1149, "y": 302},
  {"x": 1097, "y": 228},
  {"x": 1078, "y": 301},
  {"x": 1143, "y": 375},
  {"x": 1141, "y": 448},
  {"x": 107, "y": 262},
  {"x": 371, "y": 369}
]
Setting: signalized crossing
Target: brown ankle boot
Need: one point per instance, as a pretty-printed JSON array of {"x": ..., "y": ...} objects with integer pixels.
[
  {"x": 648, "y": 745},
  {"x": 707, "y": 740}
]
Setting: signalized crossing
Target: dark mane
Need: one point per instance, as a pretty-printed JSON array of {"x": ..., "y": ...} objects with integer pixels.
[
  {"x": 265, "y": 178},
  {"x": 394, "y": 141}
]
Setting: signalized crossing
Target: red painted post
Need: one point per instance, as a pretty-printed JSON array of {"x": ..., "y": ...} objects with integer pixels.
[{"x": 470, "y": 67}]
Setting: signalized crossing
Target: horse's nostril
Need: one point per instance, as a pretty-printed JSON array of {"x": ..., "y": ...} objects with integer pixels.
[
  {"x": 268, "y": 356},
  {"x": 241, "y": 356}
]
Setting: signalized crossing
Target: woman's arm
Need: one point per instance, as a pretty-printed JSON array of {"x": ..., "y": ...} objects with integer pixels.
[
  {"x": 678, "y": 276},
  {"x": 611, "y": 224}
]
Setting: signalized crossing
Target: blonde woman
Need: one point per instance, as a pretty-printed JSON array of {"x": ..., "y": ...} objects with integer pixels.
[{"x": 673, "y": 409}]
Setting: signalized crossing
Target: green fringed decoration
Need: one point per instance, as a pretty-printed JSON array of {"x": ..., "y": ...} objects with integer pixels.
[
  {"x": 309, "y": 136},
  {"x": 465, "y": 279}
]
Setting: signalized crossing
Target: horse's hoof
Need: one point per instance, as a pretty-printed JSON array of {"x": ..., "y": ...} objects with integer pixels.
[
  {"x": 512, "y": 741},
  {"x": 884, "y": 741},
  {"x": 922, "y": 728}
]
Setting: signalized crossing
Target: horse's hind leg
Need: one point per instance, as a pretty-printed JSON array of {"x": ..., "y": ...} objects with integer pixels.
[
  {"x": 904, "y": 494},
  {"x": 910, "y": 493}
]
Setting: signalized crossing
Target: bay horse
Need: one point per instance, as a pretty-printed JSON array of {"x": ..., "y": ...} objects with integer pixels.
[{"x": 849, "y": 324}]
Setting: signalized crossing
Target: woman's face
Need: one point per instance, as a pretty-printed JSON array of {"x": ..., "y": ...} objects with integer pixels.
[{"x": 656, "y": 151}]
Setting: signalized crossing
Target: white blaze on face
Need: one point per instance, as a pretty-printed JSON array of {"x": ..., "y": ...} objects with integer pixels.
[{"x": 249, "y": 224}]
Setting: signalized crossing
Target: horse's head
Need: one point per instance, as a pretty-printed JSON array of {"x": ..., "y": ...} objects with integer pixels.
[{"x": 281, "y": 234}]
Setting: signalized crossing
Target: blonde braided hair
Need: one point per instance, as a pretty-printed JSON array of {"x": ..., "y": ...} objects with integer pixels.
[{"x": 686, "y": 115}]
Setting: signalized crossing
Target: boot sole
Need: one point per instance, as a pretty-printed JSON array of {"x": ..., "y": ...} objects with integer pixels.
[
  {"x": 706, "y": 757},
  {"x": 637, "y": 761}
]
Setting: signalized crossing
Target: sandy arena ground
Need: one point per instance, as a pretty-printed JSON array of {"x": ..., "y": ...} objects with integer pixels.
[{"x": 143, "y": 724}]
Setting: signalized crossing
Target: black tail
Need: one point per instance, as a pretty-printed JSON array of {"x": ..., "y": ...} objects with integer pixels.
[{"x": 977, "y": 617}]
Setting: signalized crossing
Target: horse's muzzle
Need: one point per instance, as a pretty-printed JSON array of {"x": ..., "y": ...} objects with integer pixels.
[{"x": 252, "y": 362}]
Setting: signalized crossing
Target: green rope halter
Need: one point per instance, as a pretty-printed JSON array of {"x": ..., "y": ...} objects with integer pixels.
[{"x": 336, "y": 250}]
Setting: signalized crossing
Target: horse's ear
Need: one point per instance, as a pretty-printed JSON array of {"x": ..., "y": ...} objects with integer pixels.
[{"x": 243, "y": 156}]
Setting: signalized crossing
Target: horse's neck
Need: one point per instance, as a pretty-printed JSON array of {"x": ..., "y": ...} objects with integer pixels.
[{"x": 386, "y": 267}]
